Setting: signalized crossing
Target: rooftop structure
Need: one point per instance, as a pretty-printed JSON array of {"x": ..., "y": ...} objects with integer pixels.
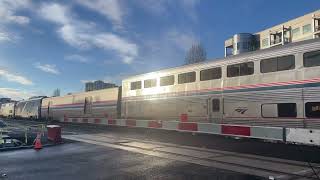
[{"x": 298, "y": 29}]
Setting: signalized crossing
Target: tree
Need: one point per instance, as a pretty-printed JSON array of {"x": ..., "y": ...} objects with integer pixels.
[
  {"x": 196, "y": 54},
  {"x": 56, "y": 92}
]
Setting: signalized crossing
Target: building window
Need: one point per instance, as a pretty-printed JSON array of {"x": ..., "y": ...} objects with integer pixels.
[
  {"x": 295, "y": 32},
  {"x": 187, "y": 77},
  {"x": 312, "y": 109},
  {"x": 279, "y": 110},
  {"x": 277, "y": 64},
  {"x": 215, "y": 105},
  {"x": 167, "y": 80},
  {"x": 241, "y": 69},
  {"x": 149, "y": 83},
  {"x": 311, "y": 59},
  {"x": 135, "y": 85},
  {"x": 208, "y": 74},
  {"x": 265, "y": 42},
  {"x": 306, "y": 29}
]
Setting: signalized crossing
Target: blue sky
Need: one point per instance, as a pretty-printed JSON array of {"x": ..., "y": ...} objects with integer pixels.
[{"x": 62, "y": 44}]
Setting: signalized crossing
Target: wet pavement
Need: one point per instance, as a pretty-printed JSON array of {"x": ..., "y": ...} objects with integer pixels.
[
  {"x": 168, "y": 168},
  {"x": 87, "y": 161}
]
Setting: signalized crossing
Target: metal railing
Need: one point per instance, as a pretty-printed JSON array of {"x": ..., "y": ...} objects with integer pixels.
[{"x": 23, "y": 132}]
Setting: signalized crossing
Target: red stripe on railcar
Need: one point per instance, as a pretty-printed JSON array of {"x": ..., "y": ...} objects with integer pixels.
[
  {"x": 236, "y": 130},
  {"x": 130, "y": 122},
  {"x": 112, "y": 122},
  {"x": 97, "y": 121},
  {"x": 155, "y": 124},
  {"x": 188, "y": 126}
]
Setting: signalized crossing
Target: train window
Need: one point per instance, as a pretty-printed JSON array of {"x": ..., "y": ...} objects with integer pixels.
[
  {"x": 312, "y": 109},
  {"x": 167, "y": 80},
  {"x": 241, "y": 69},
  {"x": 149, "y": 83},
  {"x": 279, "y": 110},
  {"x": 187, "y": 77},
  {"x": 135, "y": 85},
  {"x": 277, "y": 64},
  {"x": 287, "y": 110},
  {"x": 311, "y": 59},
  {"x": 215, "y": 105},
  {"x": 208, "y": 74}
]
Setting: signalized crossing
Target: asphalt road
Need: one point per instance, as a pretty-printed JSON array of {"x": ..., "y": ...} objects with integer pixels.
[
  {"x": 119, "y": 164},
  {"x": 245, "y": 145},
  {"x": 87, "y": 161}
]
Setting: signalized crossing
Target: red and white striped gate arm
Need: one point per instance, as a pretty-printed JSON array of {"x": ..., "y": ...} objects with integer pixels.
[{"x": 292, "y": 135}]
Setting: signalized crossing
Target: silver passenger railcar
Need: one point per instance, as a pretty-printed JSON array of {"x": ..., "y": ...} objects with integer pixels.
[
  {"x": 93, "y": 104},
  {"x": 278, "y": 86},
  {"x": 29, "y": 108},
  {"x": 7, "y": 110}
]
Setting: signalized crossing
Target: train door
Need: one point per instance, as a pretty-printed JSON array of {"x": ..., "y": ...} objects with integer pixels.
[
  {"x": 215, "y": 109},
  {"x": 88, "y": 105},
  {"x": 49, "y": 111}
]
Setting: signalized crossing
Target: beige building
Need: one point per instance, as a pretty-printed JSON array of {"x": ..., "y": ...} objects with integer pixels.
[{"x": 298, "y": 29}]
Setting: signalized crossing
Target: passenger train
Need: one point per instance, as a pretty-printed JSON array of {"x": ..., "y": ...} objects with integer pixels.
[{"x": 278, "y": 86}]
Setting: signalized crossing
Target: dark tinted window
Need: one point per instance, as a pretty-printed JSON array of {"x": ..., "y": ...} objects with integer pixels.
[
  {"x": 287, "y": 110},
  {"x": 187, "y": 77},
  {"x": 215, "y": 105},
  {"x": 167, "y": 80},
  {"x": 311, "y": 59},
  {"x": 213, "y": 73},
  {"x": 277, "y": 64},
  {"x": 150, "y": 83},
  {"x": 240, "y": 69},
  {"x": 135, "y": 85},
  {"x": 313, "y": 109}
]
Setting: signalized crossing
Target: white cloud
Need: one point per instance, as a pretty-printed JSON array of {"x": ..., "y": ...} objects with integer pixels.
[
  {"x": 8, "y": 10},
  {"x": 5, "y": 36},
  {"x": 55, "y": 13},
  {"x": 111, "y": 9},
  {"x": 14, "y": 77},
  {"x": 182, "y": 40},
  {"x": 77, "y": 58},
  {"x": 85, "y": 81},
  {"x": 162, "y": 7},
  {"x": 84, "y": 35},
  {"x": 16, "y": 94},
  {"x": 49, "y": 68}
]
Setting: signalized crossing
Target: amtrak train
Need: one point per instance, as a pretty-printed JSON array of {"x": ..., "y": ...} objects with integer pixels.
[{"x": 278, "y": 86}]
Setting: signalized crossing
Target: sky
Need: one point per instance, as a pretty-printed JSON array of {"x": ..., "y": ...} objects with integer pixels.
[{"x": 46, "y": 45}]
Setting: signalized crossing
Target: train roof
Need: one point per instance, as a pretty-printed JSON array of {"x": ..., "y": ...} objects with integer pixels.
[
  {"x": 87, "y": 92},
  {"x": 32, "y": 99},
  {"x": 232, "y": 59}
]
